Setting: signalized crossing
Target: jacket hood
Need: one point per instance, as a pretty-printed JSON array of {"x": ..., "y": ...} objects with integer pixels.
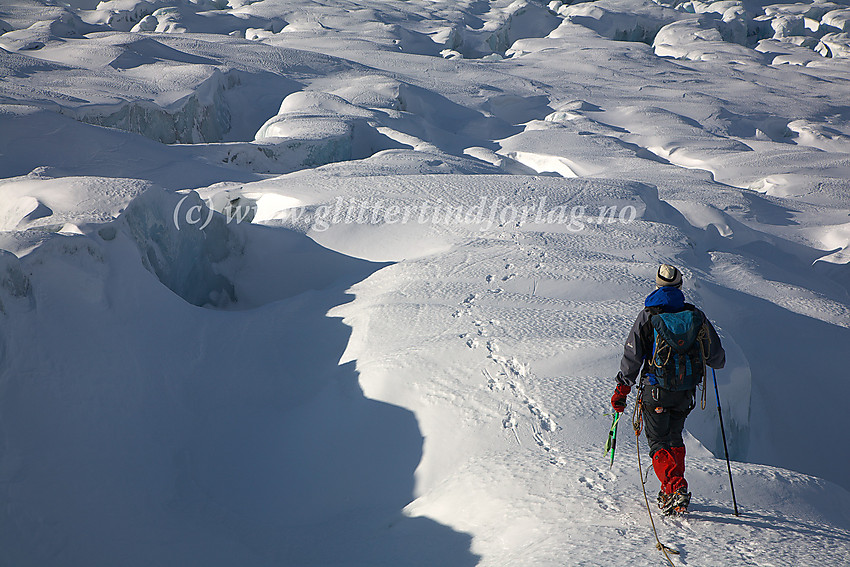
[{"x": 668, "y": 298}]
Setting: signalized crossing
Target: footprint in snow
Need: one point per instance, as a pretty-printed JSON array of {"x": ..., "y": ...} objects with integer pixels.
[
  {"x": 607, "y": 504},
  {"x": 590, "y": 484}
]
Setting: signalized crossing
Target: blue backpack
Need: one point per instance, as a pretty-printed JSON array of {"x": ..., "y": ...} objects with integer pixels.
[{"x": 680, "y": 348}]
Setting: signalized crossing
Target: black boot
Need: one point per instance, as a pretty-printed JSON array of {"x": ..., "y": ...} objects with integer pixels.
[
  {"x": 680, "y": 500},
  {"x": 666, "y": 502}
]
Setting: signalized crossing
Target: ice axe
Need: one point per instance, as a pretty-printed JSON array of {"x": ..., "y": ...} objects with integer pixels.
[{"x": 611, "y": 443}]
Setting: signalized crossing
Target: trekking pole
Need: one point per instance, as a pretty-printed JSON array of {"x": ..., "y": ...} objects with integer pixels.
[{"x": 723, "y": 435}]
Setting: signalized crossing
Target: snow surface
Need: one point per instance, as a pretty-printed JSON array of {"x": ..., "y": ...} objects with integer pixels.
[{"x": 346, "y": 283}]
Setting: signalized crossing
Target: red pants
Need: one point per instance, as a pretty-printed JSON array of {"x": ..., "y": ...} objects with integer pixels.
[{"x": 669, "y": 467}]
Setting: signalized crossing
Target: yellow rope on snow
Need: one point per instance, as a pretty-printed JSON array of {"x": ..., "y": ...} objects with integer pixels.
[{"x": 637, "y": 420}]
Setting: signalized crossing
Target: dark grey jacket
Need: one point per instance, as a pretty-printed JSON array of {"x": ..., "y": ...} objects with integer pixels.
[{"x": 639, "y": 348}]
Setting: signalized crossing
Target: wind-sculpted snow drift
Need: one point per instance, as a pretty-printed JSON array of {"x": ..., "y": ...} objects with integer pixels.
[{"x": 347, "y": 283}]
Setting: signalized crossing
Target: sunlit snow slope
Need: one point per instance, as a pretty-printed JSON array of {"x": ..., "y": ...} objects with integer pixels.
[{"x": 347, "y": 282}]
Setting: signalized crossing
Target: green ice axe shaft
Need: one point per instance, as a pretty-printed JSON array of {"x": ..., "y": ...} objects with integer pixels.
[{"x": 611, "y": 444}]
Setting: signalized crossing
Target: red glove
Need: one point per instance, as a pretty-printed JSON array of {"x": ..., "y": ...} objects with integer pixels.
[{"x": 618, "y": 400}]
